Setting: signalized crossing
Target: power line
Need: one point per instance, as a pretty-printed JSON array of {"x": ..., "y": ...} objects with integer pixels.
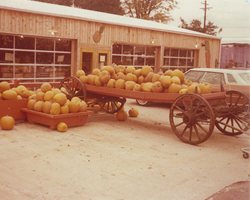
[{"x": 205, "y": 14}]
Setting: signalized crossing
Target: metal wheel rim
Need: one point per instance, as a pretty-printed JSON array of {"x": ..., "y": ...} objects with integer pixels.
[{"x": 192, "y": 119}]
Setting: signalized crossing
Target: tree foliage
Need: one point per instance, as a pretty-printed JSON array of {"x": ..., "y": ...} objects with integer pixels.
[
  {"x": 154, "y": 10},
  {"x": 196, "y": 25},
  {"x": 110, "y": 6}
]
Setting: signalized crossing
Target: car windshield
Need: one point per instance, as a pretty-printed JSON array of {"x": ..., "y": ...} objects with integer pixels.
[
  {"x": 213, "y": 78},
  {"x": 194, "y": 76},
  {"x": 245, "y": 77}
]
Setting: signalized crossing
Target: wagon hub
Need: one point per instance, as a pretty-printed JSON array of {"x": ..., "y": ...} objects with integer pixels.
[{"x": 189, "y": 118}]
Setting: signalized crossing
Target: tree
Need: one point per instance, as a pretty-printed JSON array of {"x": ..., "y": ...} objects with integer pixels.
[
  {"x": 195, "y": 25},
  {"x": 110, "y": 6},
  {"x": 154, "y": 10}
]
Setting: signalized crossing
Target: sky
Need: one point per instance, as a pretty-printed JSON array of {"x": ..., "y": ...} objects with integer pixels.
[{"x": 233, "y": 16}]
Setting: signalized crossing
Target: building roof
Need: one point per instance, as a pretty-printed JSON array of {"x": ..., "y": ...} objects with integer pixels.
[
  {"x": 228, "y": 41},
  {"x": 89, "y": 15}
]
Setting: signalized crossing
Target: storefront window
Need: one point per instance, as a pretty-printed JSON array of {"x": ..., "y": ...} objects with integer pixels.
[
  {"x": 34, "y": 59},
  {"x": 137, "y": 56},
  {"x": 178, "y": 59}
]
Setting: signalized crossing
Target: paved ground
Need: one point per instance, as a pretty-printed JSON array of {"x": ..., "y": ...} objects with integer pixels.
[{"x": 137, "y": 159}]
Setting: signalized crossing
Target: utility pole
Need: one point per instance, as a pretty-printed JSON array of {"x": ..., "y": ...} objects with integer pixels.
[{"x": 205, "y": 14}]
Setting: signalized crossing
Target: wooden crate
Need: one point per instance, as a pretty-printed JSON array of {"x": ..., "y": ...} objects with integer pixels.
[
  {"x": 13, "y": 108},
  {"x": 71, "y": 119}
]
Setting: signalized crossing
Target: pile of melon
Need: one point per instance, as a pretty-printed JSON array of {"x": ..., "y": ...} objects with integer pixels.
[
  {"x": 53, "y": 101},
  {"x": 7, "y": 93},
  {"x": 143, "y": 79}
]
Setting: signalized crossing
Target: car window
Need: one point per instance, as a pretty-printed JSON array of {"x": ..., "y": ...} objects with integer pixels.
[
  {"x": 231, "y": 79},
  {"x": 245, "y": 77},
  {"x": 214, "y": 78},
  {"x": 194, "y": 76}
]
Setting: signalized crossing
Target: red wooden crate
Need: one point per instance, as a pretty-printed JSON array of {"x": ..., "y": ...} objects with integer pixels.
[
  {"x": 71, "y": 119},
  {"x": 13, "y": 108}
]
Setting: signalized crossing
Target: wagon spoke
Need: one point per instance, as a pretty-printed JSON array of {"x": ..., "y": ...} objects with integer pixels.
[
  {"x": 197, "y": 132},
  {"x": 190, "y": 133},
  {"x": 201, "y": 127},
  {"x": 180, "y": 109}
]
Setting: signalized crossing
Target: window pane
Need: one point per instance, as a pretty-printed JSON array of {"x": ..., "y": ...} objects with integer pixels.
[
  {"x": 6, "y": 56},
  {"x": 63, "y": 45},
  {"x": 6, "y": 41},
  {"x": 213, "y": 78},
  {"x": 24, "y": 57},
  {"x": 174, "y": 52},
  {"x": 139, "y": 50},
  {"x": 150, "y": 51},
  {"x": 190, "y": 53},
  {"x": 117, "y": 60},
  {"x": 44, "y": 58},
  {"x": 44, "y": 44},
  {"x": 117, "y": 49},
  {"x": 150, "y": 61},
  {"x": 166, "y": 61},
  {"x": 24, "y": 42},
  {"x": 231, "y": 78},
  {"x": 138, "y": 60},
  {"x": 182, "y": 62},
  {"x": 183, "y": 53},
  {"x": 127, "y": 60},
  {"x": 174, "y": 61},
  {"x": 190, "y": 62},
  {"x": 127, "y": 49},
  {"x": 63, "y": 58},
  {"x": 166, "y": 52},
  {"x": 62, "y": 71},
  {"x": 6, "y": 71}
]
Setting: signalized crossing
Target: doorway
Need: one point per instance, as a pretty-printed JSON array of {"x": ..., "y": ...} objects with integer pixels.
[{"x": 87, "y": 62}]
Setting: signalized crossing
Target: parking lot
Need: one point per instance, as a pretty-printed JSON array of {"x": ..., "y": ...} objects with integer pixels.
[{"x": 139, "y": 158}]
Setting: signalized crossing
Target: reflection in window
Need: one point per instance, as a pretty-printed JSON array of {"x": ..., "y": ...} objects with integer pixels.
[
  {"x": 6, "y": 41},
  {"x": 138, "y": 55},
  {"x": 6, "y": 56},
  {"x": 63, "y": 58},
  {"x": 63, "y": 45},
  {"x": 24, "y": 42},
  {"x": 44, "y": 58},
  {"x": 44, "y": 44},
  {"x": 24, "y": 57}
]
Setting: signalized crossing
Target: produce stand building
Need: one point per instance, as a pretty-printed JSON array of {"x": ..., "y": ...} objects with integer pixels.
[{"x": 47, "y": 42}]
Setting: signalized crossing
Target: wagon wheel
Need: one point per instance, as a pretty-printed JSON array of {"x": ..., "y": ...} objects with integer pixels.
[
  {"x": 72, "y": 87},
  {"x": 112, "y": 104},
  {"x": 191, "y": 118},
  {"x": 236, "y": 120}
]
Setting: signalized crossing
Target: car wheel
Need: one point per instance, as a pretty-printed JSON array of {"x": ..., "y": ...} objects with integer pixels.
[{"x": 144, "y": 103}]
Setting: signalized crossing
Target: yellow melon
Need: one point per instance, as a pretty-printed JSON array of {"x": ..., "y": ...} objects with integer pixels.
[
  {"x": 83, "y": 106},
  {"x": 19, "y": 97},
  {"x": 31, "y": 103},
  {"x": 98, "y": 81},
  {"x": 121, "y": 115},
  {"x": 176, "y": 80},
  {"x": 80, "y": 73},
  {"x": 137, "y": 72},
  {"x": 166, "y": 81},
  {"x": 47, "y": 106},
  {"x": 120, "y": 68},
  {"x": 56, "y": 90},
  {"x": 4, "y": 85},
  {"x": 62, "y": 127},
  {"x": 149, "y": 77},
  {"x": 96, "y": 71},
  {"x": 174, "y": 88},
  {"x": 194, "y": 89},
  {"x": 133, "y": 112},
  {"x": 130, "y": 69},
  {"x": 16, "y": 90},
  {"x": 74, "y": 106},
  {"x": 110, "y": 69},
  {"x": 91, "y": 79},
  {"x": 111, "y": 83},
  {"x": 40, "y": 96},
  {"x": 46, "y": 87},
  {"x": 156, "y": 77},
  {"x": 76, "y": 99},
  {"x": 119, "y": 75},
  {"x": 145, "y": 70},
  {"x": 140, "y": 79},
  {"x": 21, "y": 88},
  {"x": 104, "y": 76},
  {"x": 39, "y": 106},
  {"x": 157, "y": 87},
  {"x": 7, "y": 122},
  {"x": 147, "y": 87},
  {"x": 49, "y": 95},
  {"x": 120, "y": 83},
  {"x": 64, "y": 109},
  {"x": 60, "y": 98},
  {"x": 55, "y": 108},
  {"x": 183, "y": 91},
  {"x": 9, "y": 95},
  {"x": 168, "y": 72},
  {"x": 129, "y": 85},
  {"x": 84, "y": 79},
  {"x": 179, "y": 74},
  {"x": 137, "y": 87}
]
